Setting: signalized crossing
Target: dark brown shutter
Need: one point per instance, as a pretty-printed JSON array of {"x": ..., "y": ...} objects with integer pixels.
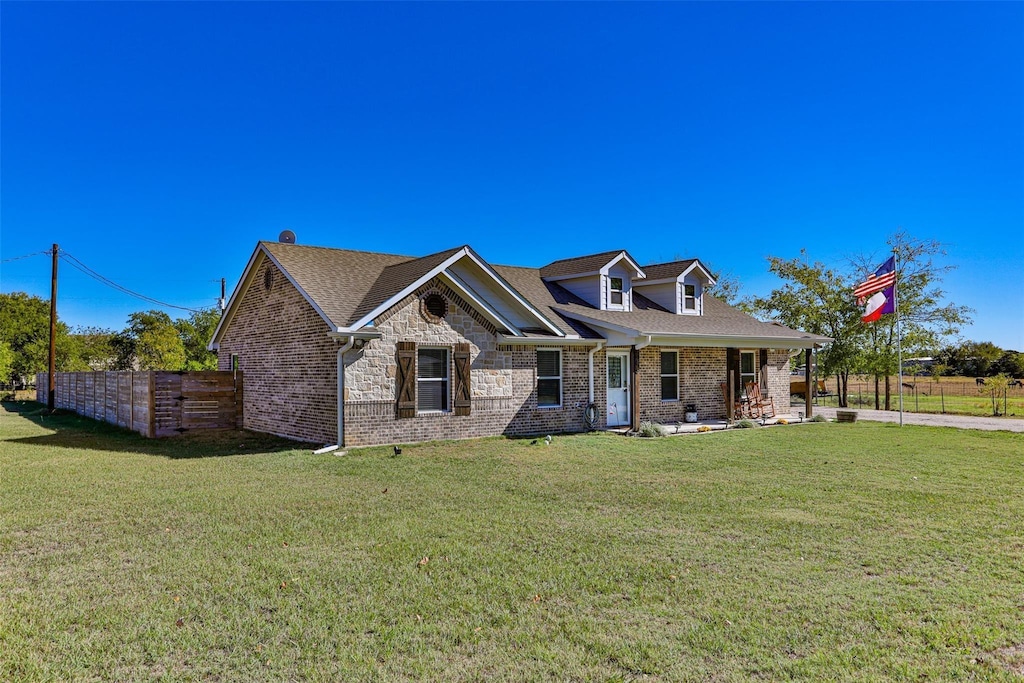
[
  {"x": 405, "y": 380},
  {"x": 732, "y": 362},
  {"x": 463, "y": 396},
  {"x": 763, "y": 362}
]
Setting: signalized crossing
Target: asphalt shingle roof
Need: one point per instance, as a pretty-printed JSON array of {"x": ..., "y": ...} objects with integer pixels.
[
  {"x": 663, "y": 271},
  {"x": 719, "y": 319},
  {"x": 579, "y": 265},
  {"x": 347, "y": 285}
]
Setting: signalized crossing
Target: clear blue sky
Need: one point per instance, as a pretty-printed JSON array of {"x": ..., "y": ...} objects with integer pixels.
[{"x": 157, "y": 142}]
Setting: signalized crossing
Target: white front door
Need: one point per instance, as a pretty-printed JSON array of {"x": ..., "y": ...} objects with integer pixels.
[{"x": 618, "y": 389}]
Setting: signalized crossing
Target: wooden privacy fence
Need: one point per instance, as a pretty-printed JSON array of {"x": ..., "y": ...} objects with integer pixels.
[{"x": 155, "y": 403}]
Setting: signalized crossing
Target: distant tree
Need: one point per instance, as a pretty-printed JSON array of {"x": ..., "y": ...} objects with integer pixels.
[
  {"x": 973, "y": 359},
  {"x": 25, "y": 328},
  {"x": 727, "y": 288},
  {"x": 6, "y": 361},
  {"x": 1011, "y": 363},
  {"x": 150, "y": 342},
  {"x": 94, "y": 348},
  {"x": 196, "y": 331},
  {"x": 925, "y": 320},
  {"x": 817, "y": 299}
]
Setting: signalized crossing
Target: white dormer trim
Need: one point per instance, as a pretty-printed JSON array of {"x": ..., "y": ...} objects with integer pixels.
[
  {"x": 603, "y": 270},
  {"x": 637, "y": 272}
]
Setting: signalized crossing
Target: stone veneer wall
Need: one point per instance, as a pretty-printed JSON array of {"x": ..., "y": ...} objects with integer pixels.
[
  {"x": 289, "y": 363},
  {"x": 503, "y": 380}
]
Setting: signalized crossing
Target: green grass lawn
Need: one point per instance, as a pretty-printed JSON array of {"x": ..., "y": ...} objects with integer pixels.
[{"x": 807, "y": 551}]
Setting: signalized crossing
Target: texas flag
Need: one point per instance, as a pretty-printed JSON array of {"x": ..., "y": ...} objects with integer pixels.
[
  {"x": 880, "y": 304},
  {"x": 878, "y": 292}
]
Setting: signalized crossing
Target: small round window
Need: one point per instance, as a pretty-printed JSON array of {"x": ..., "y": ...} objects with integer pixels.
[{"x": 435, "y": 305}]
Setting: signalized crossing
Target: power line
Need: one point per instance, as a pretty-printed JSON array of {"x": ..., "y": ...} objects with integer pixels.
[
  {"x": 78, "y": 265},
  {"x": 18, "y": 258}
]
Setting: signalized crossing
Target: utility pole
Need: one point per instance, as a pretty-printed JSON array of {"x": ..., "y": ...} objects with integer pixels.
[
  {"x": 52, "y": 379},
  {"x": 223, "y": 303}
]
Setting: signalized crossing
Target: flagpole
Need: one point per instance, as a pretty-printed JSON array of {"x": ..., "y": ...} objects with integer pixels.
[{"x": 899, "y": 334}]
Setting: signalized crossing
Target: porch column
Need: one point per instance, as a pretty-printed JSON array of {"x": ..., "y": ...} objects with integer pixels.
[
  {"x": 634, "y": 389},
  {"x": 808, "y": 383}
]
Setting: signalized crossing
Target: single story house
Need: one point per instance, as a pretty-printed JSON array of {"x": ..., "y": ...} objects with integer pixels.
[{"x": 358, "y": 348}]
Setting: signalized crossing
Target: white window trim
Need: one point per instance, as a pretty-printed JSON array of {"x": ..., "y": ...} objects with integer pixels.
[
  {"x": 446, "y": 379},
  {"x": 675, "y": 374},
  {"x": 686, "y": 297},
  {"x": 743, "y": 384},
  {"x": 561, "y": 384},
  {"x": 611, "y": 304}
]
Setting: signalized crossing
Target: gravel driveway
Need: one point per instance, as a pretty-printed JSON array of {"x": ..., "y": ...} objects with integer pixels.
[{"x": 931, "y": 419}]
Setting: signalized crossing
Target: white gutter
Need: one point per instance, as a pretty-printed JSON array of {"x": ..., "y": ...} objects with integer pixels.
[
  {"x": 350, "y": 341},
  {"x": 590, "y": 367},
  {"x": 644, "y": 344}
]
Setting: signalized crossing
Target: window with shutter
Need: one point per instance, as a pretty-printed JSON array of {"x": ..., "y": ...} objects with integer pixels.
[
  {"x": 405, "y": 379},
  {"x": 463, "y": 394},
  {"x": 431, "y": 380},
  {"x": 549, "y": 378}
]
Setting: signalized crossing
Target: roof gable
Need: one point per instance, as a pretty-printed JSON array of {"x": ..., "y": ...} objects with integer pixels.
[
  {"x": 675, "y": 270},
  {"x": 588, "y": 265}
]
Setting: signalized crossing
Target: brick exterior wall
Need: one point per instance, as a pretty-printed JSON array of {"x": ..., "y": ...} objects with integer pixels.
[
  {"x": 289, "y": 369},
  {"x": 289, "y": 364},
  {"x": 778, "y": 379}
]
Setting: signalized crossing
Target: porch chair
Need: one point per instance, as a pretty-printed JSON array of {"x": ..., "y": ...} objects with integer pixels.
[
  {"x": 737, "y": 408},
  {"x": 764, "y": 406}
]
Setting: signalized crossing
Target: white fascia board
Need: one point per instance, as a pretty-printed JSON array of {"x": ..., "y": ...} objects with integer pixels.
[
  {"x": 437, "y": 270},
  {"x": 307, "y": 297},
  {"x": 467, "y": 292},
  {"x": 258, "y": 256},
  {"x": 703, "y": 340},
  {"x": 423, "y": 279},
  {"x": 542, "y": 341},
  {"x": 640, "y": 274},
  {"x": 697, "y": 264},
  {"x": 236, "y": 296},
  {"x": 513, "y": 293},
  {"x": 574, "y": 276},
  {"x": 592, "y": 322}
]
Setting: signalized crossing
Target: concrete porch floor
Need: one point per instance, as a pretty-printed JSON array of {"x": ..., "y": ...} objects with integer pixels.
[{"x": 715, "y": 425}]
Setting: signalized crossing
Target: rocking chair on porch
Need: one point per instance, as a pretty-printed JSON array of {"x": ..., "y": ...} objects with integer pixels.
[
  {"x": 763, "y": 406},
  {"x": 737, "y": 407}
]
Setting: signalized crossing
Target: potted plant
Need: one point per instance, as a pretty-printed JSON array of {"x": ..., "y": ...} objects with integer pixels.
[{"x": 690, "y": 413}]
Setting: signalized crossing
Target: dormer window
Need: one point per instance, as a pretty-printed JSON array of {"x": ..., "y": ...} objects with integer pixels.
[
  {"x": 615, "y": 291},
  {"x": 690, "y": 297}
]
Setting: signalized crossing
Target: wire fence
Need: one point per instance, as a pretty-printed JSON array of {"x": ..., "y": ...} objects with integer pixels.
[{"x": 927, "y": 396}]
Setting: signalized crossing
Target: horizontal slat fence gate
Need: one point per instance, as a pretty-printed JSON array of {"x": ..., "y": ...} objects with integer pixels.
[{"x": 154, "y": 403}]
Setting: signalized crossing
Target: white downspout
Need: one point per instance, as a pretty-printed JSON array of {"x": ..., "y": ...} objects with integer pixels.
[
  {"x": 644, "y": 344},
  {"x": 590, "y": 367},
  {"x": 341, "y": 398}
]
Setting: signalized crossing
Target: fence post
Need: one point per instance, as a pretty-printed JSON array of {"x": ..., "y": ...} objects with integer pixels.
[
  {"x": 942, "y": 396},
  {"x": 151, "y": 410},
  {"x": 239, "y": 402}
]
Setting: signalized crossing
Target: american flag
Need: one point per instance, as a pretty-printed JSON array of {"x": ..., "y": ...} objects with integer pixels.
[{"x": 883, "y": 278}]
